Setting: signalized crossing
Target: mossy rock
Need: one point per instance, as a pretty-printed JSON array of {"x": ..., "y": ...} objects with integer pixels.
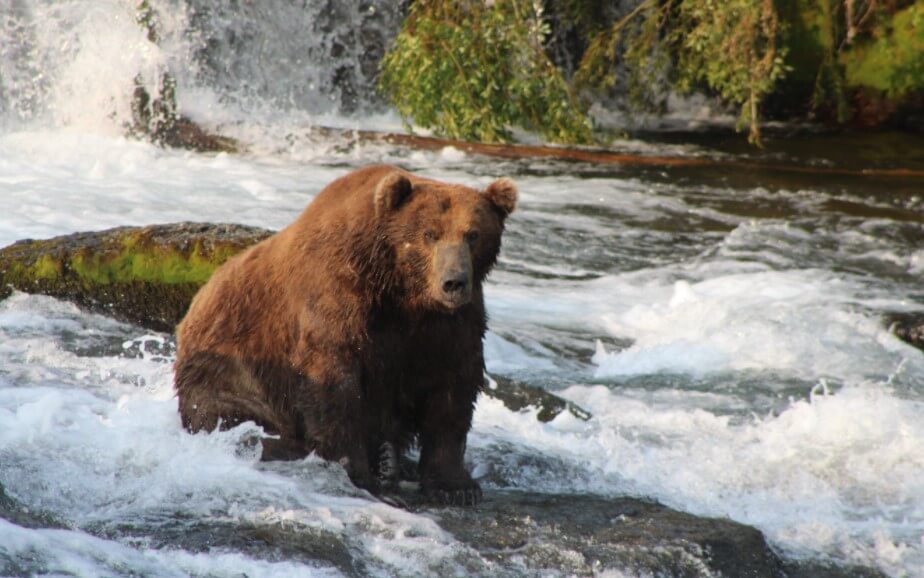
[{"x": 144, "y": 275}]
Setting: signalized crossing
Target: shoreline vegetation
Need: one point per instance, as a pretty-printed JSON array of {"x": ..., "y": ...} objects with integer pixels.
[
  {"x": 485, "y": 70},
  {"x": 479, "y": 68}
]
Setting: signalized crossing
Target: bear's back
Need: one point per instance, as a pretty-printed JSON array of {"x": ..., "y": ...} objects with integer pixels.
[{"x": 344, "y": 202}]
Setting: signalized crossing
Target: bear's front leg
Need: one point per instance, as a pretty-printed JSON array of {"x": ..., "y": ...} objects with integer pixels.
[
  {"x": 332, "y": 405},
  {"x": 448, "y": 417}
]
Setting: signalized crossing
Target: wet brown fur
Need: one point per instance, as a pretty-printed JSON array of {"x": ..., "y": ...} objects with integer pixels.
[{"x": 333, "y": 335}]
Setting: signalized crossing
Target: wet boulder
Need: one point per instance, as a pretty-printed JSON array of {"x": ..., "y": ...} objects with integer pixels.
[
  {"x": 584, "y": 535},
  {"x": 515, "y": 533},
  {"x": 909, "y": 327},
  {"x": 143, "y": 275},
  {"x": 155, "y": 115},
  {"x": 518, "y": 396}
]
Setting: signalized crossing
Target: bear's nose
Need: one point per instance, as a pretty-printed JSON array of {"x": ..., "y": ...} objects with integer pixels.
[{"x": 455, "y": 282}]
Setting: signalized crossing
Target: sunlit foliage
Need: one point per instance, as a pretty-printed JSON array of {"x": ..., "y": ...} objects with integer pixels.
[{"x": 474, "y": 70}]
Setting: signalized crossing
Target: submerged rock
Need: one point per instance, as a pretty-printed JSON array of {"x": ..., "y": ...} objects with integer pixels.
[
  {"x": 515, "y": 534},
  {"x": 815, "y": 569},
  {"x": 511, "y": 533},
  {"x": 909, "y": 327},
  {"x": 584, "y": 535},
  {"x": 518, "y": 396},
  {"x": 13, "y": 511}
]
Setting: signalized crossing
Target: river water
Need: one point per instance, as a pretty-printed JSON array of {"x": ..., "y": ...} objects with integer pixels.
[{"x": 724, "y": 324}]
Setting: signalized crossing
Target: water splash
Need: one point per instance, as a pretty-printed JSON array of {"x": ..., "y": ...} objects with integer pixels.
[{"x": 77, "y": 63}]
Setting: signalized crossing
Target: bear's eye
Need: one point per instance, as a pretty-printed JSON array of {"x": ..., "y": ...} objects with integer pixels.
[
  {"x": 471, "y": 237},
  {"x": 431, "y": 236}
]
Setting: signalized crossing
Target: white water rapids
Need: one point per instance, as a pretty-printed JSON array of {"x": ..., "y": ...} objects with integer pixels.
[{"x": 726, "y": 331}]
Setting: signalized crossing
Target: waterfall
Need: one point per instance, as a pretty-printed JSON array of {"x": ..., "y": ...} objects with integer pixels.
[{"x": 78, "y": 63}]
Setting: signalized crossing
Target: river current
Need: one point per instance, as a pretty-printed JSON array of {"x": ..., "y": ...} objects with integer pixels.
[{"x": 725, "y": 325}]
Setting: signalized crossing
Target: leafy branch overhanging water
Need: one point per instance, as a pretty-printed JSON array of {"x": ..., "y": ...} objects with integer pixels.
[{"x": 475, "y": 69}]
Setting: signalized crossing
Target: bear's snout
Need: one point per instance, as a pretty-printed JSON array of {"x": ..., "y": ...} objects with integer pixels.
[
  {"x": 456, "y": 289},
  {"x": 454, "y": 274},
  {"x": 455, "y": 282}
]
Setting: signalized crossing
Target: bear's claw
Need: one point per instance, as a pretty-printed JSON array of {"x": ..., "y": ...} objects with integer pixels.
[
  {"x": 394, "y": 501},
  {"x": 468, "y": 496},
  {"x": 388, "y": 467}
]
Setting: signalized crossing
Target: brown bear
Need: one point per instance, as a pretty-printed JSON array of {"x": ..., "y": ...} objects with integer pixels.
[{"x": 356, "y": 328}]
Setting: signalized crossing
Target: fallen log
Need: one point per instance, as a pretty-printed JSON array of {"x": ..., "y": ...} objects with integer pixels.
[
  {"x": 183, "y": 133},
  {"x": 597, "y": 156}
]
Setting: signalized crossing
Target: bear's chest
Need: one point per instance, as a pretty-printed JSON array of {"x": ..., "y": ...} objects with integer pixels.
[{"x": 408, "y": 354}]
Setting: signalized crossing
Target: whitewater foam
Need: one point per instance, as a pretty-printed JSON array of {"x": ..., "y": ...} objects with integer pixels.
[
  {"x": 74, "y": 553},
  {"x": 847, "y": 466},
  {"x": 794, "y": 321}
]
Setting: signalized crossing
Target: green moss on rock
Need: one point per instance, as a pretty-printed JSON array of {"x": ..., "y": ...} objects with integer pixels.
[
  {"x": 146, "y": 275},
  {"x": 47, "y": 268},
  {"x": 138, "y": 260}
]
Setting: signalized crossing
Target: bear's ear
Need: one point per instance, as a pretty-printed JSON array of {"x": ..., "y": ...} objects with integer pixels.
[
  {"x": 503, "y": 194},
  {"x": 391, "y": 191}
]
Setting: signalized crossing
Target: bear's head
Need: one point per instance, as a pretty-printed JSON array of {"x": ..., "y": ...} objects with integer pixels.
[{"x": 444, "y": 238}]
